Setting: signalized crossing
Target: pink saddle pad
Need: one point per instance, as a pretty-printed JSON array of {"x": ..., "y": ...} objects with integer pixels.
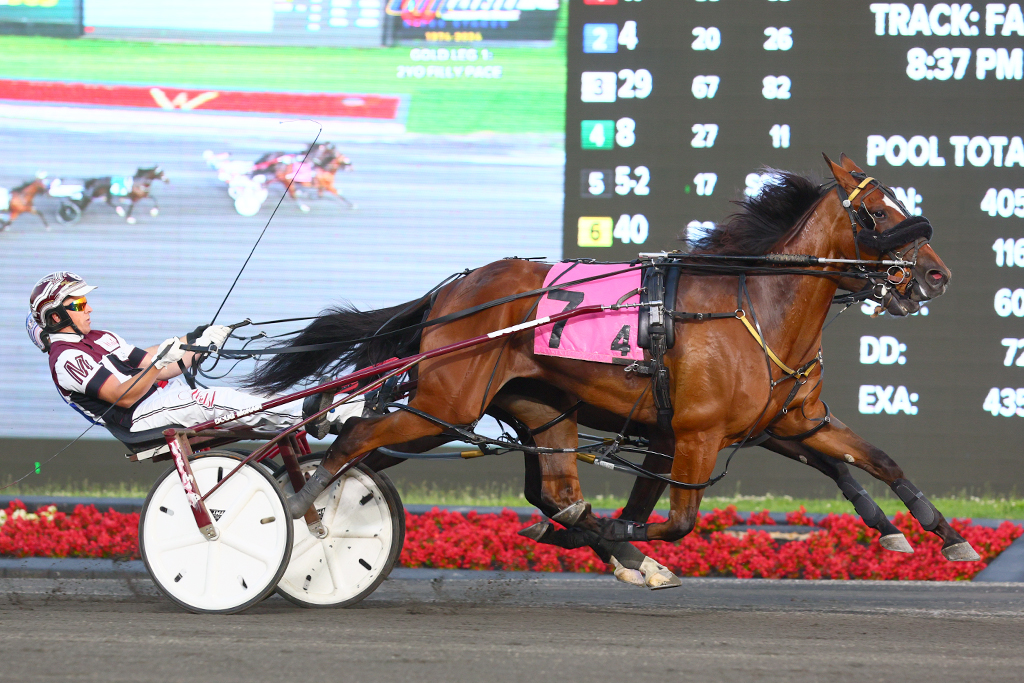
[
  {"x": 606, "y": 337},
  {"x": 303, "y": 173}
]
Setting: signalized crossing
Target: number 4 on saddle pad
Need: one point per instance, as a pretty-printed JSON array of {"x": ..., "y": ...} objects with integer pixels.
[
  {"x": 121, "y": 185},
  {"x": 606, "y": 337}
]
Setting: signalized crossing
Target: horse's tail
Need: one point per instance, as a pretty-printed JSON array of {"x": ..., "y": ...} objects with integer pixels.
[
  {"x": 97, "y": 186},
  {"x": 347, "y": 328}
]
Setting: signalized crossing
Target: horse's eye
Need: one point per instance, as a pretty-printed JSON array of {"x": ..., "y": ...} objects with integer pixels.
[{"x": 879, "y": 214}]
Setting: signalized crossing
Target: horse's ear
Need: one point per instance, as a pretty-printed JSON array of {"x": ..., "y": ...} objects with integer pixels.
[
  {"x": 842, "y": 176},
  {"x": 848, "y": 164}
]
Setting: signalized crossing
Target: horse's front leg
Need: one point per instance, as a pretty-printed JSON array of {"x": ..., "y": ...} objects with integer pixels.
[
  {"x": 836, "y": 440},
  {"x": 128, "y": 218},
  {"x": 693, "y": 463},
  {"x": 303, "y": 207},
  {"x": 891, "y": 537},
  {"x": 155, "y": 211}
]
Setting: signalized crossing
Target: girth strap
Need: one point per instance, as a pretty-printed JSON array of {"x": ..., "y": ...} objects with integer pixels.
[{"x": 799, "y": 374}]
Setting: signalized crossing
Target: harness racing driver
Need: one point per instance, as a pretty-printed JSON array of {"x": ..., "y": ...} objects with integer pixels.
[{"x": 105, "y": 378}]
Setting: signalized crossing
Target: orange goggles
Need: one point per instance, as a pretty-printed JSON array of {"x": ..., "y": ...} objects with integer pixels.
[{"x": 77, "y": 305}]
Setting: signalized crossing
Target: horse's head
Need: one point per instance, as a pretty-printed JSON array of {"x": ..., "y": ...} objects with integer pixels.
[
  {"x": 151, "y": 174},
  {"x": 338, "y": 162},
  {"x": 881, "y": 228},
  {"x": 343, "y": 162}
]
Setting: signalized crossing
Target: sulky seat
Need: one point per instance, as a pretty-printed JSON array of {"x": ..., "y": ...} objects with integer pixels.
[{"x": 140, "y": 442}]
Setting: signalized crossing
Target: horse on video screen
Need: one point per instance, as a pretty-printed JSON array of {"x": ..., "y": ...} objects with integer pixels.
[
  {"x": 317, "y": 172},
  {"x": 318, "y": 155},
  {"x": 752, "y": 369},
  {"x": 20, "y": 200},
  {"x": 134, "y": 189}
]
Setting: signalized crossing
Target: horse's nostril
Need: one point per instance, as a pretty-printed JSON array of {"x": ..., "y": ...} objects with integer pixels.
[{"x": 936, "y": 277}]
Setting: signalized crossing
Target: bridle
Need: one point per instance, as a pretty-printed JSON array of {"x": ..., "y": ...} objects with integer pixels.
[{"x": 903, "y": 242}]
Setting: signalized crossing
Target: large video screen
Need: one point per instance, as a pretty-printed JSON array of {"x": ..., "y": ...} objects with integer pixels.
[
  {"x": 675, "y": 108},
  {"x": 478, "y": 129},
  {"x": 454, "y": 157}
]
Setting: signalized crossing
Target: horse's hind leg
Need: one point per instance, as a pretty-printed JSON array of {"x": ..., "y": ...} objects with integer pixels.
[
  {"x": 891, "y": 537},
  {"x": 41, "y": 217},
  {"x": 128, "y": 218},
  {"x": 646, "y": 493},
  {"x": 358, "y": 439},
  {"x": 552, "y": 485},
  {"x": 837, "y": 441}
]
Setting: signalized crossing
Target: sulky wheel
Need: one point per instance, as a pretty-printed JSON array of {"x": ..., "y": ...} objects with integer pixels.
[
  {"x": 238, "y": 568},
  {"x": 68, "y": 213},
  {"x": 365, "y": 526}
]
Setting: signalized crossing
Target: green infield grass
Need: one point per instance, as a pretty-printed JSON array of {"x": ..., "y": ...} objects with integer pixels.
[
  {"x": 952, "y": 506},
  {"x": 528, "y": 98}
]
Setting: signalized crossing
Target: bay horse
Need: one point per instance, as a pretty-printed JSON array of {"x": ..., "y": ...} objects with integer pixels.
[
  {"x": 318, "y": 154},
  {"x": 723, "y": 385},
  {"x": 20, "y": 200},
  {"x": 316, "y": 175},
  {"x": 103, "y": 188}
]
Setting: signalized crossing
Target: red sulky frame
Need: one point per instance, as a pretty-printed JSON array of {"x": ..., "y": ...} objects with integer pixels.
[{"x": 291, "y": 442}]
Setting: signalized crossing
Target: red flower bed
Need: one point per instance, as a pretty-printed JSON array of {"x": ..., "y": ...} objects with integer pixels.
[
  {"x": 844, "y": 548},
  {"x": 85, "y": 533}
]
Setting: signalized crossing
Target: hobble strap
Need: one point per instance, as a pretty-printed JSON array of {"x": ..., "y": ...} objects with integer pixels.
[
  {"x": 622, "y": 530},
  {"x": 904, "y": 233}
]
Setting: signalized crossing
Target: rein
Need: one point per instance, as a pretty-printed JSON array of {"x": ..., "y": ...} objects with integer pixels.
[{"x": 695, "y": 268}]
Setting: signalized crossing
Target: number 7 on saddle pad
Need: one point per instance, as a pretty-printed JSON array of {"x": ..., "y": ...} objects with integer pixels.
[{"x": 606, "y": 337}]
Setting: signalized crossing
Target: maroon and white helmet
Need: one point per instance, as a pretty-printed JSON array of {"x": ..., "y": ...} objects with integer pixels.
[{"x": 48, "y": 297}]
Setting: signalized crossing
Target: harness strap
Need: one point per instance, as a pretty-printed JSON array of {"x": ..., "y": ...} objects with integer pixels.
[
  {"x": 857, "y": 190},
  {"x": 799, "y": 374},
  {"x": 803, "y": 435}
]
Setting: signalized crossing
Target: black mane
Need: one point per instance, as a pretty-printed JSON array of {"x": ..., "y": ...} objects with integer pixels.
[
  {"x": 25, "y": 184},
  {"x": 765, "y": 219}
]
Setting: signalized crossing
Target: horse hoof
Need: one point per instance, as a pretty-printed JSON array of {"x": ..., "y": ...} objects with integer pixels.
[
  {"x": 657, "y": 576},
  {"x": 535, "y": 532},
  {"x": 572, "y": 514},
  {"x": 631, "y": 576},
  {"x": 303, "y": 208},
  {"x": 897, "y": 543},
  {"x": 119, "y": 210},
  {"x": 960, "y": 552},
  {"x": 626, "y": 575},
  {"x": 130, "y": 220},
  {"x": 154, "y": 212},
  {"x": 663, "y": 579}
]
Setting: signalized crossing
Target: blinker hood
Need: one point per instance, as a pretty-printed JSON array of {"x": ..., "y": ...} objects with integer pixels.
[{"x": 904, "y": 233}]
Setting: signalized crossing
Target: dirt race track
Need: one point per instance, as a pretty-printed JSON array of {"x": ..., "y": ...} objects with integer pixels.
[{"x": 483, "y": 626}]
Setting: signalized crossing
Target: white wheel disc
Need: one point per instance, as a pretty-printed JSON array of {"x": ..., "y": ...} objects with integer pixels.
[
  {"x": 362, "y": 543},
  {"x": 238, "y": 568}
]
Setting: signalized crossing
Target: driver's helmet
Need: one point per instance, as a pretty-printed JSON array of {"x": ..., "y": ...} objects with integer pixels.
[
  {"x": 35, "y": 333},
  {"x": 48, "y": 297}
]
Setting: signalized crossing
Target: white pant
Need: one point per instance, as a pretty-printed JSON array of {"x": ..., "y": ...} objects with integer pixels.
[{"x": 177, "y": 404}]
